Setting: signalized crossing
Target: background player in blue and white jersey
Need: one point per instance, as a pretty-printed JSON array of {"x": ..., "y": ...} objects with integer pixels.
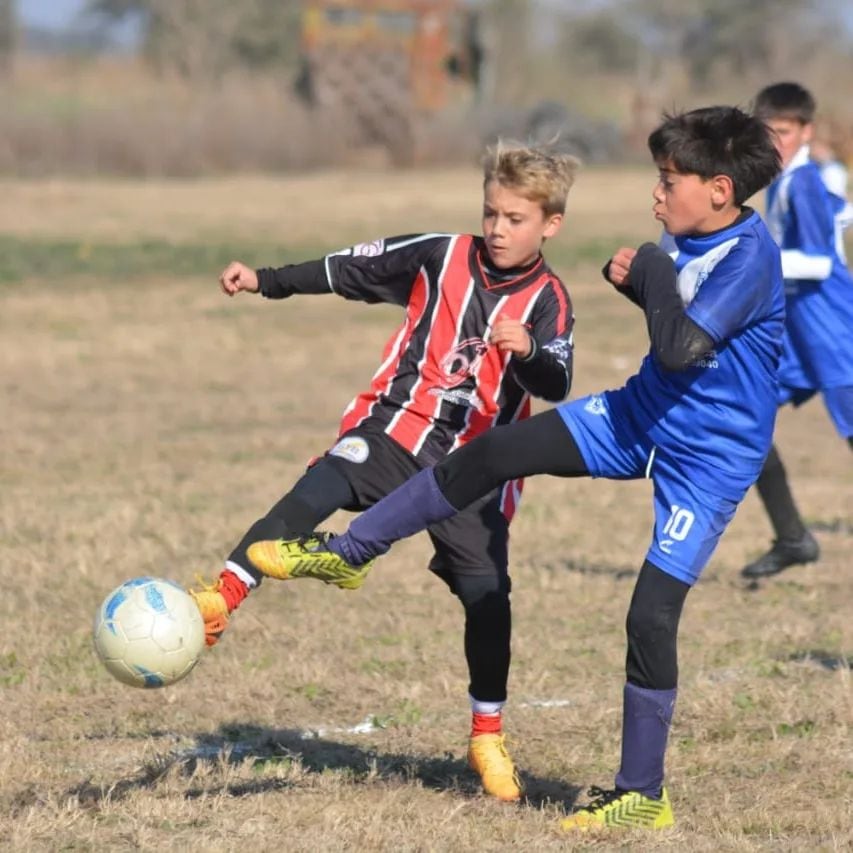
[
  {"x": 806, "y": 220},
  {"x": 831, "y": 148},
  {"x": 697, "y": 419}
]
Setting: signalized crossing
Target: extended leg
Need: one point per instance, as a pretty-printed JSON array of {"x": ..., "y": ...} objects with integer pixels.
[
  {"x": 487, "y": 651},
  {"x": 316, "y": 495},
  {"x": 539, "y": 445}
]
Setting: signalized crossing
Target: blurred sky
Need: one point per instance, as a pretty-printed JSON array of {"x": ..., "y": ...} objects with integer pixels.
[
  {"x": 57, "y": 14},
  {"x": 49, "y": 13}
]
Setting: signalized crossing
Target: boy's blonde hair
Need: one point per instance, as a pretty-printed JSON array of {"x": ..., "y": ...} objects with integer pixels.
[{"x": 535, "y": 173}]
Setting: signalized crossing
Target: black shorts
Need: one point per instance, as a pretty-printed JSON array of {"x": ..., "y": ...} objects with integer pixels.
[{"x": 474, "y": 542}]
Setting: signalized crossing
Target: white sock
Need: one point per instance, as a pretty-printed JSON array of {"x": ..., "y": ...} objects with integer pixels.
[
  {"x": 241, "y": 573},
  {"x": 478, "y": 707}
]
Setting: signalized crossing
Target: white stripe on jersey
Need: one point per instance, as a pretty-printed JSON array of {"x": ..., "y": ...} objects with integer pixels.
[
  {"x": 797, "y": 264},
  {"x": 694, "y": 272},
  {"x": 384, "y": 246},
  {"x": 390, "y": 247},
  {"x": 436, "y": 308}
]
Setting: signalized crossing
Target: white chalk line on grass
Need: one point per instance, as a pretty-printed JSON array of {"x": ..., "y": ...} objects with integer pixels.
[{"x": 371, "y": 723}]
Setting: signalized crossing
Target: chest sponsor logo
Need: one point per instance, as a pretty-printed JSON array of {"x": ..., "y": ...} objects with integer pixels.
[{"x": 458, "y": 366}]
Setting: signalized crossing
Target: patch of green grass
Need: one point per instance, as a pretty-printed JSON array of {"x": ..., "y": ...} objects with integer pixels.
[
  {"x": 595, "y": 251},
  {"x": 406, "y": 713},
  {"x": 56, "y": 261},
  {"x": 11, "y": 670},
  {"x": 274, "y": 764},
  {"x": 802, "y": 728}
]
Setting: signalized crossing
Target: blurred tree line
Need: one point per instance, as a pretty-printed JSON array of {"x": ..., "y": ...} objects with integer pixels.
[
  {"x": 8, "y": 35},
  {"x": 649, "y": 41},
  {"x": 202, "y": 38},
  {"x": 225, "y": 62}
]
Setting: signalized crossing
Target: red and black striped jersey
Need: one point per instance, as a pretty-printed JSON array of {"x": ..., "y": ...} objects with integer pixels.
[{"x": 440, "y": 383}]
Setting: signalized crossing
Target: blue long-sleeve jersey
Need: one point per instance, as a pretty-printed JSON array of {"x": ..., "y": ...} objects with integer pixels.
[
  {"x": 716, "y": 417},
  {"x": 805, "y": 220}
]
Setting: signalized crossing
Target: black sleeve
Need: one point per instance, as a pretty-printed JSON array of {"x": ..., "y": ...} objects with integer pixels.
[
  {"x": 280, "y": 283},
  {"x": 380, "y": 271},
  {"x": 677, "y": 342},
  {"x": 547, "y": 371}
]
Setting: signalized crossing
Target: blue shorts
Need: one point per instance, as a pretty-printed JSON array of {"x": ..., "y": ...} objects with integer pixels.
[
  {"x": 838, "y": 402},
  {"x": 688, "y": 520}
]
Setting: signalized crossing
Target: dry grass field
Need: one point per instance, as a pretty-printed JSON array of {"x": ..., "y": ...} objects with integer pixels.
[{"x": 148, "y": 420}]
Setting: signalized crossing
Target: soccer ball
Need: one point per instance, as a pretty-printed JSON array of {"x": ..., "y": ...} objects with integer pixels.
[{"x": 149, "y": 632}]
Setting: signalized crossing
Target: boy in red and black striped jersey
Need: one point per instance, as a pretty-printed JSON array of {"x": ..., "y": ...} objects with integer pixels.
[{"x": 487, "y": 324}]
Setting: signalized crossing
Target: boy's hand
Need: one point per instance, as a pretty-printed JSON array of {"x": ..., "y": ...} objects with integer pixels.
[
  {"x": 511, "y": 336},
  {"x": 236, "y": 277},
  {"x": 620, "y": 266}
]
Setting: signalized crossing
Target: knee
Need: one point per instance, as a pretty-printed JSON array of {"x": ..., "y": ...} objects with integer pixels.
[
  {"x": 773, "y": 462},
  {"x": 474, "y": 590},
  {"x": 651, "y": 625},
  {"x": 652, "y": 659}
]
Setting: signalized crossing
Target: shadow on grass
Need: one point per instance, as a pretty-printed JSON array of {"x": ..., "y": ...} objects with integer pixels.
[
  {"x": 583, "y": 567},
  {"x": 822, "y": 658},
  {"x": 265, "y": 748}
]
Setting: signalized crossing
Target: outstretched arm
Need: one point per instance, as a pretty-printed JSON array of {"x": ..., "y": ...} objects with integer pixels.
[
  {"x": 381, "y": 271},
  {"x": 308, "y": 277}
]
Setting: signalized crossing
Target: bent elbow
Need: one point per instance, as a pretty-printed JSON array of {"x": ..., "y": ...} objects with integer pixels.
[{"x": 673, "y": 364}]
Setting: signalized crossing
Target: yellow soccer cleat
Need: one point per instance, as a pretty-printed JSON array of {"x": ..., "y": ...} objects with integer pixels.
[
  {"x": 306, "y": 557},
  {"x": 627, "y": 809},
  {"x": 488, "y": 757},
  {"x": 214, "y": 610}
]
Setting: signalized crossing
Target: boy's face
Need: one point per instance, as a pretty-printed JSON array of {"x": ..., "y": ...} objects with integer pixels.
[
  {"x": 689, "y": 204},
  {"x": 789, "y": 135},
  {"x": 514, "y": 226}
]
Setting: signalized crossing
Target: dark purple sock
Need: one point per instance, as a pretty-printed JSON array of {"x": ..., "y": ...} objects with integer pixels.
[
  {"x": 646, "y": 717},
  {"x": 401, "y": 513}
]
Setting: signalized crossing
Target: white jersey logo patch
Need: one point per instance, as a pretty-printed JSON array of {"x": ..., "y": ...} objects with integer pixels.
[
  {"x": 595, "y": 405},
  {"x": 369, "y": 250},
  {"x": 353, "y": 449}
]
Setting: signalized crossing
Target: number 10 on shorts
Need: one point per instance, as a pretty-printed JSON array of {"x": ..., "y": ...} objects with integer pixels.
[{"x": 679, "y": 523}]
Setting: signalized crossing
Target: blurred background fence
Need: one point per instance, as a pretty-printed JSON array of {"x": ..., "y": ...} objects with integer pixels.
[{"x": 199, "y": 87}]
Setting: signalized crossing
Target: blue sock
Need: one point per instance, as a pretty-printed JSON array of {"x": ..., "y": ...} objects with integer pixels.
[
  {"x": 646, "y": 717},
  {"x": 401, "y": 513}
]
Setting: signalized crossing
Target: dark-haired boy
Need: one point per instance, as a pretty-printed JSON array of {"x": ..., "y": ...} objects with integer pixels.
[
  {"x": 805, "y": 219},
  {"x": 697, "y": 419}
]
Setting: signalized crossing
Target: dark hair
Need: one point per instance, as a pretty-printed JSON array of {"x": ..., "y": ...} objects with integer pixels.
[
  {"x": 718, "y": 141},
  {"x": 785, "y": 100}
]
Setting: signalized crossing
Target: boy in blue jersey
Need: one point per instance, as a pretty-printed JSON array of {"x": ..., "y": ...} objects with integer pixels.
[
  {"x": 697, "y": 419},
  {"x": 806, "y": 220}
]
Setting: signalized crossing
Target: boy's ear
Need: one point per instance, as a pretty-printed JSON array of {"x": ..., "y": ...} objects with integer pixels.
[
  {"x": 552, "y": 225},
  {"x": 722, "y": 190}
]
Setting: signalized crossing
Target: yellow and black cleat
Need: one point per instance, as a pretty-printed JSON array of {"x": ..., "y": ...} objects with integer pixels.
[
  {"x": 626, "y": 809},
  {"x": 306, "y": 557}
]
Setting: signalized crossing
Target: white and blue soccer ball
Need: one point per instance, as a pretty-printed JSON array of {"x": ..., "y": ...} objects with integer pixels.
[{"x": 149, "y": 632}]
